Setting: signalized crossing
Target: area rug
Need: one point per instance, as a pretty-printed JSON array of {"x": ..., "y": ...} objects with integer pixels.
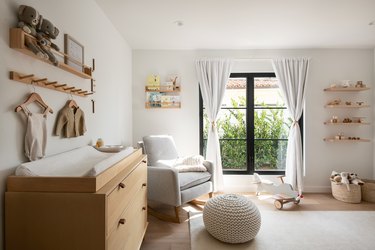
[{"x": 292, "y": 230}]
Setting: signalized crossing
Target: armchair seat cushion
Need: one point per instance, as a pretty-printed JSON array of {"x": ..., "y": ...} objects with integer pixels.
[{"x": 191, "y": 179}]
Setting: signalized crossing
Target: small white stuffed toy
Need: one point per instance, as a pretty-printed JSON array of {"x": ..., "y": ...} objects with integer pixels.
[
  {"x": 354, "y": 179},
  {"x": 345, "y": 179}
]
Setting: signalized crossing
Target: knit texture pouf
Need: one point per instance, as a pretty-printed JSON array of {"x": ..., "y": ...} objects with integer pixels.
[{"x": 231, "y": 218}]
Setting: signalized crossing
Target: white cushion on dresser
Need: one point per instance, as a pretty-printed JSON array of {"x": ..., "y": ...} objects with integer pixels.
[{"x": 84, "y": 161}]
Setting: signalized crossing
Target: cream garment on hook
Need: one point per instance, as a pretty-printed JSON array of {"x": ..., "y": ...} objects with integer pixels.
[{"x": 36, "y": 134}]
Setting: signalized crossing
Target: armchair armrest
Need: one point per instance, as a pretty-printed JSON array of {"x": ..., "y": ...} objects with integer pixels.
[
  {"x": 210, "y": 168},
  {"x": 163, "y": 185}
]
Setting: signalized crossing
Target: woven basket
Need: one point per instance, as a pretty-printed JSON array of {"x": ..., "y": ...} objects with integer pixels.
[
  {"x": 368, "y": 190},
  {"x": 341, "y": 193}
]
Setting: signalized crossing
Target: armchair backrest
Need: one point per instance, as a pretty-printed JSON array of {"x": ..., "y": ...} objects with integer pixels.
[{"x": 159, "y": 147}]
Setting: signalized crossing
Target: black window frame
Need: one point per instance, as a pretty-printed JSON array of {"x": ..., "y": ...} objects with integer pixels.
[{"x": 250, "y": 168}]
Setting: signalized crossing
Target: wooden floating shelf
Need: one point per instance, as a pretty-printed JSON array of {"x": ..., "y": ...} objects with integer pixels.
[
  {"x": 348, "y": 89},
  {"x": 347, "y": 123},
  {"x": 163, "y": 106},
  {"x": 17, "y": 42},
  {"x": 45, "y": 83},
  {"x": 347, "y": 106},
  {"x": 345, "y": 140},
  {"x": 164, "y": 90}
]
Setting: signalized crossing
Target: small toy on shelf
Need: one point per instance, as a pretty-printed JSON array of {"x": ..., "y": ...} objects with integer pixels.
[
  {"x": 334, "y": 119},
  {"x": 334, "y": 102},
  {"x": 360, "y": 84},
  {"x": 347, "y": 120}
]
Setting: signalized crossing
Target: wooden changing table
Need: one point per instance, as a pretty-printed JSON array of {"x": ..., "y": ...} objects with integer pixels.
[{"x": 106, "y": 212}]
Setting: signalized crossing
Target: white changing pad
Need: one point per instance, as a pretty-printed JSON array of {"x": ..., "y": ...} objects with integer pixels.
[{"x": 84, "y": 161}]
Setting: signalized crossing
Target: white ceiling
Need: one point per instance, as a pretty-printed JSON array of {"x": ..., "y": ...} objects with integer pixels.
[{"x": 243, "y": 24}]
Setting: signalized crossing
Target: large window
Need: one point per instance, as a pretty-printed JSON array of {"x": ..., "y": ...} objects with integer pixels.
[{"x": 253, "y": 125}]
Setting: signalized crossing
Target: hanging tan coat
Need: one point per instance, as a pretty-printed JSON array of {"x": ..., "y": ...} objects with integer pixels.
[{"x": 70, "y": 122}]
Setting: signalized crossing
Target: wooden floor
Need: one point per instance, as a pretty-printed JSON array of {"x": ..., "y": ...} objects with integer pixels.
[{"x": 162, "y": 235}]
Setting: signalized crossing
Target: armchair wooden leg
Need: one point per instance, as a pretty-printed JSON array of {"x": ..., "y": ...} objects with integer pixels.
[
  {"x": 200, "y": 202},
  {"x": 166, "y": 217}
]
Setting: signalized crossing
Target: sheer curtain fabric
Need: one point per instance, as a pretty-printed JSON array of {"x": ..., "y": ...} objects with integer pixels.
[
  {"x": 213, "y": 75},
  {"x": 292, "y": 76}
]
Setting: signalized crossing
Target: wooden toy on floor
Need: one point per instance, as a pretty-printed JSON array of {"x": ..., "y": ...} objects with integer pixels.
[{"x": 282, "y": 193}]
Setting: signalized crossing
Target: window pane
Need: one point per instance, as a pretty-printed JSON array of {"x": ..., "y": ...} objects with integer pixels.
[
  {"x": 233, "y": 154},
  {"x": 271, "y": 123},
  {"x": 267, "y": 92},
  {"x": 270, "y": 155},
  {"x": 231, "y": 123},
  {"x": 235, "y": 93}
]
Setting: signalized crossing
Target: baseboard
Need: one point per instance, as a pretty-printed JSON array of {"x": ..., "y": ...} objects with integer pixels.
[{"x": 252, "y": 188}]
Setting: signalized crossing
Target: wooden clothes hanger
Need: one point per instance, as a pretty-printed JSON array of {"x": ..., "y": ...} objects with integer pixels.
[
  {"x": 72, "y": 103},
  {"x": 34, "y": 97}
]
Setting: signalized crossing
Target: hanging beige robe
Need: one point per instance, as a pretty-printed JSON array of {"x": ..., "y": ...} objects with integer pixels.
[{"x": 70, "y": 122}]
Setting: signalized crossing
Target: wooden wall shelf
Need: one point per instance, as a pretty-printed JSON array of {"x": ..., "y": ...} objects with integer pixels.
[
  {"x": 348, "y": 89},
  {"x": 148, "y": 105},
  {"x": 347, "y": 123},
  {"x": 345, "y": 140},
  {"x": 45, "y": 83},
  {"x": 17, "y": 42},
  {"x": 347, "y": 106},
  {"x": 164, "y": 90}
]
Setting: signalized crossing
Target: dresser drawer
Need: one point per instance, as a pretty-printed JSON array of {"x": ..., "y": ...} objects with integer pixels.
[
  {"x": 131, "y": 224},
  {"x": 121, "y": 196}
]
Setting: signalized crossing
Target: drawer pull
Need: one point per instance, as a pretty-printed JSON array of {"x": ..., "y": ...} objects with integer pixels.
[
  {"x": 122, "y": 221},
  {"x": 122, "y": 185},
  {"x": 144, "y": 185},
  {"x": 143, "y": 208},
  {"x": 144, "y": 161}
]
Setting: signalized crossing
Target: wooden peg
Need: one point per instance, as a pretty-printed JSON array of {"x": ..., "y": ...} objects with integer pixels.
[
  {"x": 93, "y": 64},
  {"x": 92, "y": 85},
  {"x": 93, "y": 105},
  {"x": 82, "y": 92},
  {"x": 60, "y": 85},
  {"x": 89, "y": 93},
  {"x": 26, "y": 76},
  {"x": 76, "y": 90},
  {"x": 50, "y": 83},
  {"x": 40, "y": 80},
  {"x": 68, "y": 88}
]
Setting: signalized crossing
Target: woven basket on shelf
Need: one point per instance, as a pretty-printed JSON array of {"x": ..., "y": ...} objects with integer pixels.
[
  {"x": 368, "y": 191},
  {"x": 341, "y": 193}
]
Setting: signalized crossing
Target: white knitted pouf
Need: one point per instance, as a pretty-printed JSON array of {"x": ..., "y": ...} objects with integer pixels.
[{"x": 231, "y": 218}]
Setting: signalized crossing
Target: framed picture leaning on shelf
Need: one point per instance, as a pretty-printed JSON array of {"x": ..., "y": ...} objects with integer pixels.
[{"x": 75, "y": 53}]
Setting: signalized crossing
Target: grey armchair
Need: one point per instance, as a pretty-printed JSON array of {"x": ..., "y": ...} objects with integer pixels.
[{"x": 165, "y": 184}]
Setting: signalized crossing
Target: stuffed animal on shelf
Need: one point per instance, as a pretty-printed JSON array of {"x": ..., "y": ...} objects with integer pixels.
[
  {"x": 45, "y": 32},
  {"x": 28, "y": 19}
]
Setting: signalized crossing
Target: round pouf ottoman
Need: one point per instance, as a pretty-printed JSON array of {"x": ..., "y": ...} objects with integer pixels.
[{"x": 231, "y": 218}]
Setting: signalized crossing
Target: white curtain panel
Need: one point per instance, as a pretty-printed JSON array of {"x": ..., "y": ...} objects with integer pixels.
[
  {"x": 292, "y": 76},
  {"x": 213, "y": 75}
]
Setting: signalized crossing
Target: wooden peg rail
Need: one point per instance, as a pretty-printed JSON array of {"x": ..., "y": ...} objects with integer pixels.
[{"x": 45, "y": 83}]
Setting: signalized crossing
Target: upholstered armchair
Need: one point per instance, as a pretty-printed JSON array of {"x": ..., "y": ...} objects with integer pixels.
[{"x": 165, "y": 183}]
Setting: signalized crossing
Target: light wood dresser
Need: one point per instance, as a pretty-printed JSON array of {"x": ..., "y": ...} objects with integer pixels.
[{"x": 106, "y": 212}]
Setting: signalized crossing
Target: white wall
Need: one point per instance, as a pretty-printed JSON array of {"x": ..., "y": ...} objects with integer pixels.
[
  {"x": 327, "y": 66},
  {"x": 84, "y": 21}
]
